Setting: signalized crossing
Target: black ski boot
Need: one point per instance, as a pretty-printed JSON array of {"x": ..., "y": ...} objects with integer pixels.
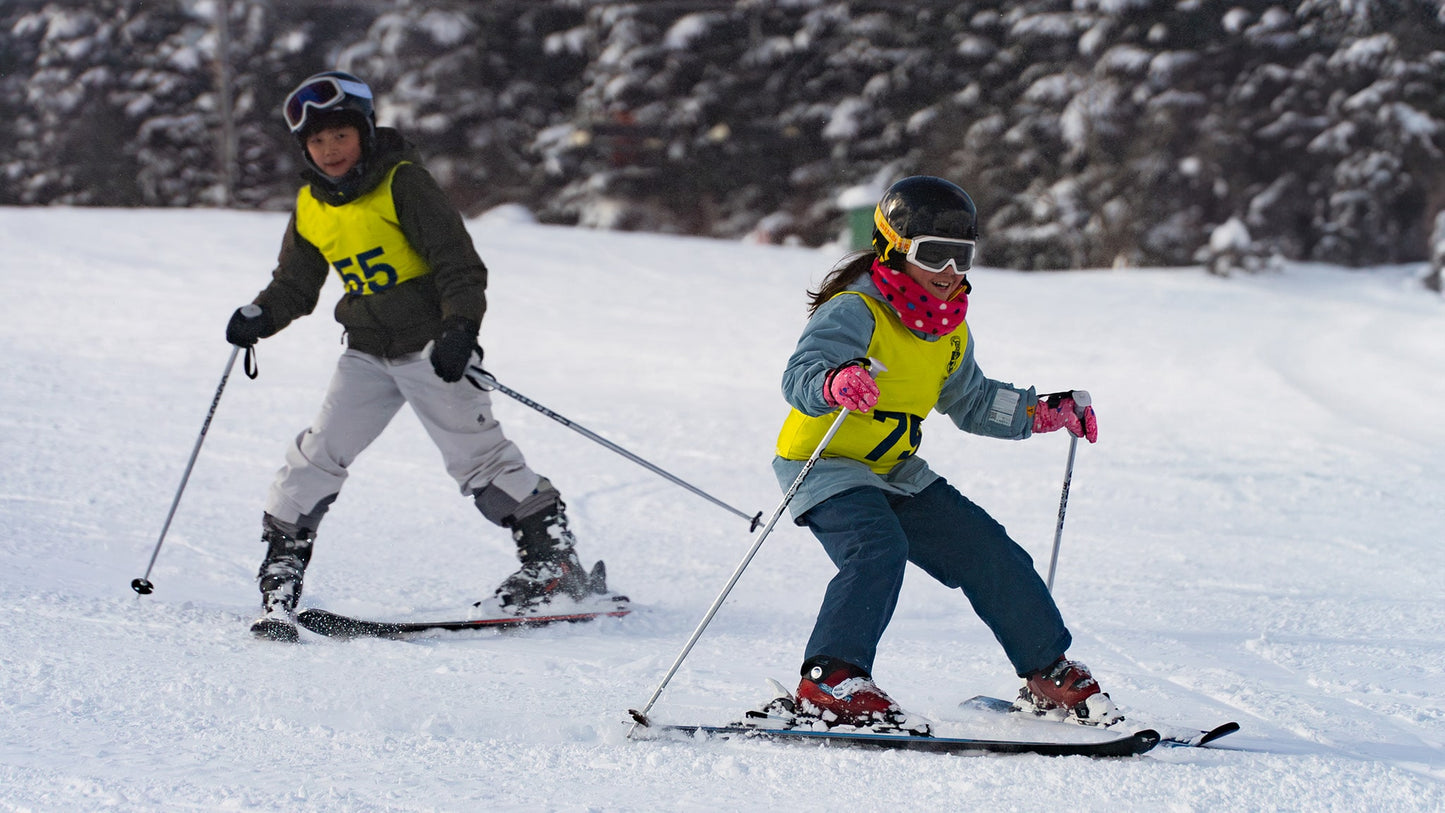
[
  {"x": 288, "y": 550},
  {"x": 550, "y": 567}
]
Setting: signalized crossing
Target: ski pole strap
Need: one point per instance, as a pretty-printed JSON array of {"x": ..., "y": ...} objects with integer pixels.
[{"x": 248, "y": 363}]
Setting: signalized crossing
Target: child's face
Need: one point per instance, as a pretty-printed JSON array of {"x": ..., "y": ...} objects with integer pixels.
[
  {"x": 942, "y": 285},
  {"x": 335, "y": 149}
]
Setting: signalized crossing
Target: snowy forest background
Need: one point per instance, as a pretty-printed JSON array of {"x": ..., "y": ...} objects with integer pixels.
[{"x": 1092, "y": 133}]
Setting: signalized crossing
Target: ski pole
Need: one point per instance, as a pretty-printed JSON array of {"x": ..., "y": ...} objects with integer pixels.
[
  {"x": 143, "y": 585},
  {"x": 1081, "y": 399},
  {"x": 483, "y": 380},
  {"x": 640, "y": 715},
  {"x": 1063, "y": 505}
]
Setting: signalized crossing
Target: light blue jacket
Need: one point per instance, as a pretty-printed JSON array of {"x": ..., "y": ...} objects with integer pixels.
[{"x": 840, "y": 330}]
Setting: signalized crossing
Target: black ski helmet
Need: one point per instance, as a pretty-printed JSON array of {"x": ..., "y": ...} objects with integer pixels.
[
  {"x": 921, "y": 206},
  {"x": 327, "y": 99}
]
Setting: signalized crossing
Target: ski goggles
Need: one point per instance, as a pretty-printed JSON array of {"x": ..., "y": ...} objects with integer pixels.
[
  {"x": 933, "y": 254},
  {"x": 936, "y": 254},
  {"x": 322, "y": 93}
]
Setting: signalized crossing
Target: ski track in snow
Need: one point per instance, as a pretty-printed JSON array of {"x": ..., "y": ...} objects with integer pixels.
[{"x": 1255, "y": 537}]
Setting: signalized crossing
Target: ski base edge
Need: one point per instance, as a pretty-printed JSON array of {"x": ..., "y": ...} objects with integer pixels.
[{"x": 1131, "y": 744}]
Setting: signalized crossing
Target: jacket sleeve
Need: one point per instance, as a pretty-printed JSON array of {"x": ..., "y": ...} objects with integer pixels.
[
  {"x": 435, "y": 229},
  {"x": 840, "y": 330},
  {"x": 982, "y": 406},
  {"x": 296, "y": 283}
]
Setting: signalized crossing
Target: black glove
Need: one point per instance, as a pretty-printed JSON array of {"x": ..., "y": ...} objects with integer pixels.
[
  {"x": 452, "y": 352},
  {"x": 249, "y": 323}
]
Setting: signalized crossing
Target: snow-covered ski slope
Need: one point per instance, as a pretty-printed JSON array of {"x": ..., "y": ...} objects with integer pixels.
[{"x": 1256, "y": 536}]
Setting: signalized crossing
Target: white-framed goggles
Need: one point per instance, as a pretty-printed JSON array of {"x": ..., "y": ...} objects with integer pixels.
[
  {"x": 934, "y": 254},
  {"x": 937, "y": 254},
  {"x": 321, "y": 93}
]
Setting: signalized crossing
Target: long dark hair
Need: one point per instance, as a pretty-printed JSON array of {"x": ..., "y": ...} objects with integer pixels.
[{"x": 845, "y": 273}]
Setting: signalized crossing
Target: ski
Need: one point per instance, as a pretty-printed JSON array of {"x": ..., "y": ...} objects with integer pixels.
[
  {"x": 1122, "y": 746},
  {"x": 779, "y": 721},
  {"x": 1168, "y": 734},
  {"x": 334, "y": 625}
]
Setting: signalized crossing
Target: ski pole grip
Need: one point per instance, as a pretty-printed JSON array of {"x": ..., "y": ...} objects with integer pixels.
[{"x": 251, "y": 311}]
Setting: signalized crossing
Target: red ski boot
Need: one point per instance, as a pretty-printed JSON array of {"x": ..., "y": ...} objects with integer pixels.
[
  {"x": 837, "y": 693},
  {"x": 1067, "y": 687}
]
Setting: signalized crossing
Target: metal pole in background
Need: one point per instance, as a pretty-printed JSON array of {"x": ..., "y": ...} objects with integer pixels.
[{"x": 226, "y": 108}]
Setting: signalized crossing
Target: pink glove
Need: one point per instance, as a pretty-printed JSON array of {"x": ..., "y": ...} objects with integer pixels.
[
  {"x": 1070, "y": 410},
  {"x": 851, "y": 387}
]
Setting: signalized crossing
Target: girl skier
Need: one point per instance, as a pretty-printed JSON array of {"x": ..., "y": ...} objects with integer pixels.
[
  {"x": 415, "y": 295},
  {"x": 887, "y": 339}
]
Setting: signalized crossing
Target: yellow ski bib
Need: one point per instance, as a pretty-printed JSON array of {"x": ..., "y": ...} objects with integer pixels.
[
  {"x": 907, "y": 390},
  {"x": 362, "y": 239}
]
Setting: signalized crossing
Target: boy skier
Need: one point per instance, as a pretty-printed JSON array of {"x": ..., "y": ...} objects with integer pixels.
[{"x": 415, "y": 296}]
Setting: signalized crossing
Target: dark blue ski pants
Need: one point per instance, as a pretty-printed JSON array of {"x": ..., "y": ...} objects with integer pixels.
[{"x": 872, "y": 535}]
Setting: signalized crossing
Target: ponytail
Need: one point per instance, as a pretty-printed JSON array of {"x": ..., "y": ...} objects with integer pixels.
[{"x": 844, "y": 274}]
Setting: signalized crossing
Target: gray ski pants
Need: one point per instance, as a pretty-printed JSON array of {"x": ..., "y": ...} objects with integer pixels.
[{"x": 365, "y": 393}]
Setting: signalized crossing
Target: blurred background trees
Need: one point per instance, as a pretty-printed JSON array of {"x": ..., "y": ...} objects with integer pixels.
[{"x": 1090, "y": 132}]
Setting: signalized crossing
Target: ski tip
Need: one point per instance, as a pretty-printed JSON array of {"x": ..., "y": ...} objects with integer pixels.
[{"x": 1215, "y": 733}]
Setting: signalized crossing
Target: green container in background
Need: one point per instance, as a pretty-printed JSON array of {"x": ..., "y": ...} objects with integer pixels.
[{"x": 860, "y": 227}]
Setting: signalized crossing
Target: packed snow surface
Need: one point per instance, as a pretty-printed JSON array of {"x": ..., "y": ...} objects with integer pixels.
[{"x": 1255, "y": 537}]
